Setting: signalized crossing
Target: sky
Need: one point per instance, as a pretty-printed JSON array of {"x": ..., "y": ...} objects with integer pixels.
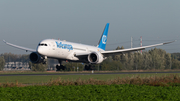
[{"x": 27, "y": 22}]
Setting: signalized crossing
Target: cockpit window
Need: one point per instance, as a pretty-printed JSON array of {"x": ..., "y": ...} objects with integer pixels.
[{"x": 42, "y": 44}]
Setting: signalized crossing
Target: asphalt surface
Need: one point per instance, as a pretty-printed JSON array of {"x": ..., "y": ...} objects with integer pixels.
[{"x": 47, "y": 74}]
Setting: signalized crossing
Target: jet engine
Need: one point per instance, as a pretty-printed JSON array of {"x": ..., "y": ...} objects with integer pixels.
[
  {"x": 95, "y": 57},
  {"x": 35, "y": 58}
]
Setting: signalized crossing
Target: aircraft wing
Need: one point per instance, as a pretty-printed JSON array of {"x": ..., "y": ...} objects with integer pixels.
[
  {"x": 114, "y": 52},
  {"x": 20, "y": 47}
]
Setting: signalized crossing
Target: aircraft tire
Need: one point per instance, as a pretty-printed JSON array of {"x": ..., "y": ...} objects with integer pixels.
[{"x": 58, "y": 68}]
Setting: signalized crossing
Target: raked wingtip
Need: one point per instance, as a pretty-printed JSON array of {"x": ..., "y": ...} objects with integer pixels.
[
  {"x": 169, "y": 42},
  {"x": 4, "y": 41}
]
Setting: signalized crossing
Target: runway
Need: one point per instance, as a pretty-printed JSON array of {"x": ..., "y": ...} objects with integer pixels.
[{"x": 48, "y": 74}]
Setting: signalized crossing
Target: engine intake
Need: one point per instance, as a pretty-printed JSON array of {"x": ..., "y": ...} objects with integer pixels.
[
  {"x": 35, "y": 58},
  {"x": 95, "y": 57}
]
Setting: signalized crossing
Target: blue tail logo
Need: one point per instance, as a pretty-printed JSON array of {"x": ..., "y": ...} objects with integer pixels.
[{"x": 102, "y": 41}]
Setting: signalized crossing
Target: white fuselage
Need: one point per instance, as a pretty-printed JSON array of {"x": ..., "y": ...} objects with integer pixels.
[{"x": 63, "y": 50}]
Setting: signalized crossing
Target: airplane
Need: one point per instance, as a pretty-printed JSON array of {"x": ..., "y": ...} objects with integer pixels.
[{"x": 75, "y": 52}]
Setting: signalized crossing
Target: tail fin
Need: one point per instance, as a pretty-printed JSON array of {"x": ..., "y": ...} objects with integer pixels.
[{"x": 103, "y": 39}]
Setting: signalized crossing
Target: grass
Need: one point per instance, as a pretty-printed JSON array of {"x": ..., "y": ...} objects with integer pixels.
[
  {"x": 168, "y": 80},
  {"x": 55, "y": 72},
  {"x": 44, "y": 79},
  {"x": 151, "y": 86},
  {"x": 137, "y": 87}
]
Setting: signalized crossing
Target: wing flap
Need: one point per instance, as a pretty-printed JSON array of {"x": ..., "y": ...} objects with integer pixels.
[{"x": 20, "y": 47}]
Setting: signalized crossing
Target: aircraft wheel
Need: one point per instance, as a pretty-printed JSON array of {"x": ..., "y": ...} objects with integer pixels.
[
  {"x": 57, "y": 68},
  {"x": 86, "y": 67},
  {"x": 62, "y": 67}
]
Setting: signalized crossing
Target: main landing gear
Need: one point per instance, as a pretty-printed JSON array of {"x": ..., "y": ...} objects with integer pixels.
[
  {"x": 88, "y": 67},
  {"x": 60, "y": 67}
]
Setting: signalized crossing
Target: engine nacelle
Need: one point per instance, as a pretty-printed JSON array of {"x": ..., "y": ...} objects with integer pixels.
[
  {"x": 95, "y": 57},
  {"x": 35, "y": 58}
]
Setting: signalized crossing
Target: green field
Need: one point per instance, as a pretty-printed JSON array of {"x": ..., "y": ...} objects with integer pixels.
[
  {"x": 123, "y": 87},
  {"x": 90, "y": 93},
  {"x": 44, "y": 79}
]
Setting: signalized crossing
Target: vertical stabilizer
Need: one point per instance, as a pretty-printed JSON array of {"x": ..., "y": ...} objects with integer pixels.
[{"x": 103, "y": 39}]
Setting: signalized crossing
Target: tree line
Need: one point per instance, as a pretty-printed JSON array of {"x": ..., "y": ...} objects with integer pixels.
[{"x": 147, "y": 60}]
